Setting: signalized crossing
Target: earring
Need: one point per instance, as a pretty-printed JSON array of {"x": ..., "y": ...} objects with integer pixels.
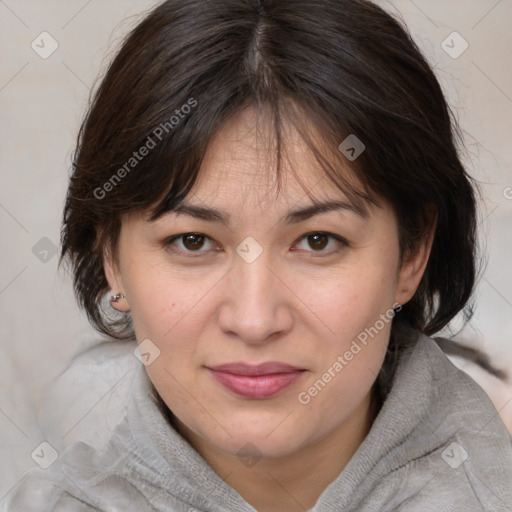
[{"x": 117, "y": 297}]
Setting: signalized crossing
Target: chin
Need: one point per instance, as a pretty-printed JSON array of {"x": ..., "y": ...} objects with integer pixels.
[
  {"x": 257, "y": 445},
  {"x": 257, "y": 434}
]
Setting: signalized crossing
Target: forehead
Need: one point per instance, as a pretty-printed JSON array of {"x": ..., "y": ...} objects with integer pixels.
[{"x": 241, "y": 162}]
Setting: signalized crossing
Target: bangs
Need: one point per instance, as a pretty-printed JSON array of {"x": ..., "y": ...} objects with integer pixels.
[{"x": 322, "y": 140}]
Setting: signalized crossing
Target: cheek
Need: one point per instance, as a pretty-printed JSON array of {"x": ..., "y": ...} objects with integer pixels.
[
  {"x": 350, "y": 299},
  {"x": 358, "y": 312},
  {"x": 170, "y": 311},
  {"x": 166, "y": 301}
]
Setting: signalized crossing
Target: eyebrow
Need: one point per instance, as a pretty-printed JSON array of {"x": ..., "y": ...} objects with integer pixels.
[{"x": 211, "y": 214}]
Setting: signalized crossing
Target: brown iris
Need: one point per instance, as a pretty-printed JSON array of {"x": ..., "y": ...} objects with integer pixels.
[
  {"x": 192, "y": 241},
  {"x": 318, "y": 241}
]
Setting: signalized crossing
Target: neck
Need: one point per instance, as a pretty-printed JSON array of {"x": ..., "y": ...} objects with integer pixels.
[{"x": 295, "y": 482}]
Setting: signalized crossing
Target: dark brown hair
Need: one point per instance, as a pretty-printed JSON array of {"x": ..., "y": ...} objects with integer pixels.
[{"x": 345, "y": 66}]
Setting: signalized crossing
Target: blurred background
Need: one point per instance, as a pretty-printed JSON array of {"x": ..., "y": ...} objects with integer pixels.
[{"x": 52, "y": 53}]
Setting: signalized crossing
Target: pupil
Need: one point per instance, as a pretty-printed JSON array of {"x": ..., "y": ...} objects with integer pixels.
[
  {"x": 193, "y": 242},
  {"x": 317, "y": 242}
]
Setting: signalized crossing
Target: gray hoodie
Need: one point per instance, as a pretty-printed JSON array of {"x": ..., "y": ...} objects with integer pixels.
[{"x": 437, "y": 444}]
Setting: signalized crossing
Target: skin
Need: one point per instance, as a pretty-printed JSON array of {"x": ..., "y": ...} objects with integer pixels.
[{"x": 298, "y": 303}]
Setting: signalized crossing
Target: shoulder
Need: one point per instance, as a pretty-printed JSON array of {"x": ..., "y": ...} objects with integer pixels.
[
  {"x": 457, "y": 403},
  {"x": 88, "y": 399},
  {"x": 41, "y": 491},
  {"x": 472, "y": 462},
  {"x": 440, "y": 442},
  {"x": 83, "y": 479},
  {"x": 498, "y": 390},
  {"x": 49, "y": 489}
]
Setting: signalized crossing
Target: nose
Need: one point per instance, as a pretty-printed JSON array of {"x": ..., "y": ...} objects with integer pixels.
[{"x": 256, "y": 303}]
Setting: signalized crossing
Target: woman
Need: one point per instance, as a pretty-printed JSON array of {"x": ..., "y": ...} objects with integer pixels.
[{"x": 270, "y": 194}]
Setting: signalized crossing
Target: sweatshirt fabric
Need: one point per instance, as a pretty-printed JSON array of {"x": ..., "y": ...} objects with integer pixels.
[{"x": 437, "y": 444}]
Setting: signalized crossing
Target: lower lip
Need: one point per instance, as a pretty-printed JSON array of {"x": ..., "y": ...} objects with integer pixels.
[{"x": 256, "y": 386}]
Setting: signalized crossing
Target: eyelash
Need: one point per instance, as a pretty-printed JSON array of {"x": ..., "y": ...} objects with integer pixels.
[{"x": 194, "y": 254}]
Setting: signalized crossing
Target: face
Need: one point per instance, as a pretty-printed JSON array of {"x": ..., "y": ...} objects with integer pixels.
[{"x": 271, "y": 318}]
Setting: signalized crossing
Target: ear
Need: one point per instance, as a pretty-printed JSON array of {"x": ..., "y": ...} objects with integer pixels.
[
  {"x": 115, "y": 281},
  {"x": 412, "y": 269}
]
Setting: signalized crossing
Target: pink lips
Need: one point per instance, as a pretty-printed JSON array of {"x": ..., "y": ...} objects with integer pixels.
[{"x": 259, "y": 381}]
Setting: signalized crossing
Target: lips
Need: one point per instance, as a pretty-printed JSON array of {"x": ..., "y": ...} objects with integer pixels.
[{"x": 256, "y": 381}]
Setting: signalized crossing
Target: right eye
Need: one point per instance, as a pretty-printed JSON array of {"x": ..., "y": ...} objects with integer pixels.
[{"x": 187, "y": 243}]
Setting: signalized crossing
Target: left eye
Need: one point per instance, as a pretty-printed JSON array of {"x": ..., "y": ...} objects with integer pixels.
[{"x": 319, "y": 241}]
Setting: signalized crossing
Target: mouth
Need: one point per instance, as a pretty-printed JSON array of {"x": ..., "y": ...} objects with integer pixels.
[{"x": 256, "y": 381}]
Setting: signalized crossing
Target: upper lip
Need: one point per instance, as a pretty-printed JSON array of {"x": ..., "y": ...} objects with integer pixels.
[{"x": 253, "y": 370}]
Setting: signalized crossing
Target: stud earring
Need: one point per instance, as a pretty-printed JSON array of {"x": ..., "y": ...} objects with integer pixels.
[{"x": 117, "y": 297}]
